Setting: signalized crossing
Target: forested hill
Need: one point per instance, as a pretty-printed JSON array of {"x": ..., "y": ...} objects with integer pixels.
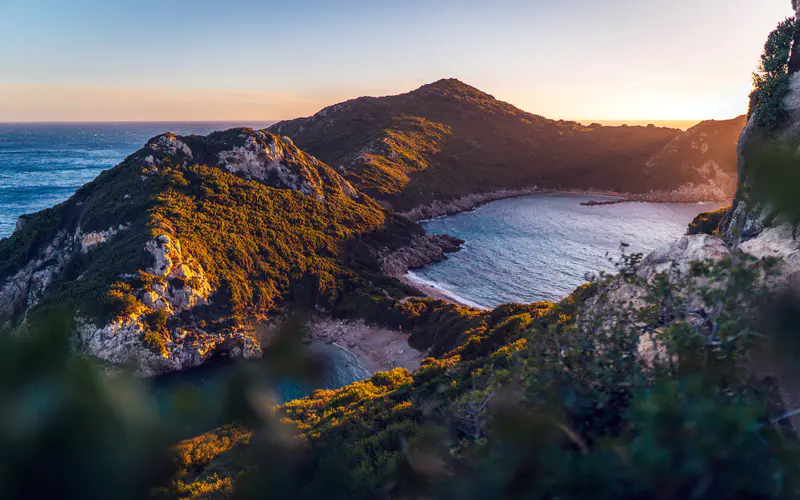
[{"x": 448, "y": 139}]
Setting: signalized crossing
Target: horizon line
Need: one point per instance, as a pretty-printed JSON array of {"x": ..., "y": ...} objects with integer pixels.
[{"x": 578, "y": 120}]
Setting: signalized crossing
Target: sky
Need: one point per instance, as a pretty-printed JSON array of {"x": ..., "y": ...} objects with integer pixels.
[{"x": 181, "y": 60}]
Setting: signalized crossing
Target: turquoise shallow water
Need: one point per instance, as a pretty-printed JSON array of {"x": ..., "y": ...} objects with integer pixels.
[
  {"x": 210, "y": 385},
  {"x": 540, "y": 247}
]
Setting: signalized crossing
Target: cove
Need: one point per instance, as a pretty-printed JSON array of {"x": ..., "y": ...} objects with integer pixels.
[{"x": 540, "y": 247}]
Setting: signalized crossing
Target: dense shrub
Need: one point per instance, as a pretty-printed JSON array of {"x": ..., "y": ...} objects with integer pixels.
[
  {"x": 552, "y": 405},
  {"x": 708, "y": 222},
  {"x": 771, "y": 81}
]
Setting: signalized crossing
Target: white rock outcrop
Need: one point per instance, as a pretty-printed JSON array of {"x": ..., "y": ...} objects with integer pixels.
[
  {"x": 263, "y": 159},
  {"x": 183, "y": 284}
]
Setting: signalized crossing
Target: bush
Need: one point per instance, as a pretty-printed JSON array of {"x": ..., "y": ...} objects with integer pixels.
[
  {"x": 708, "y": 222},
  {"x": 771, "y": 81}
]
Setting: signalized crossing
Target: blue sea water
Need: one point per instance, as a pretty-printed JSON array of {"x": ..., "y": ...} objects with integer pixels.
[
  {"x": 211, "y": 383},
  {"x": 44, "y": 164},
  {"x": 541, "y": 247}
]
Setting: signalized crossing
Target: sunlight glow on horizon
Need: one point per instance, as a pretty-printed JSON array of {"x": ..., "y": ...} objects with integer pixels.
[{"x": 621, "y": 61}]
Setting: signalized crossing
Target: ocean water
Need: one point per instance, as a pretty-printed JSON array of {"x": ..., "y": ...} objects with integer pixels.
[
  {"x": 541, "y": 247},
  {"x": 42, "y": 165}
]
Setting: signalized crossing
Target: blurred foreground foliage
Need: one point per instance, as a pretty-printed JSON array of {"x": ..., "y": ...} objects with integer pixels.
[
  {"x": 69, "y": 430},
  {"x": 653, "y": 401},
  {"x": 580, "y": 398}
]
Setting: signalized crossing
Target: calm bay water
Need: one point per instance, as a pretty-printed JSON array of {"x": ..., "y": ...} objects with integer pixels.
[
  {"x": 540, "y": 247},
  {"x": 210, "y": 384}
]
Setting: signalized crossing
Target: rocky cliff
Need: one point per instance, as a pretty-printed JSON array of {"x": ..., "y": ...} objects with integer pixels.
[{"x": 702, "y": 159}]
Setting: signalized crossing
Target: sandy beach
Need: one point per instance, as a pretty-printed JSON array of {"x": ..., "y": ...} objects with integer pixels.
[{"x": 378, "y": 349}]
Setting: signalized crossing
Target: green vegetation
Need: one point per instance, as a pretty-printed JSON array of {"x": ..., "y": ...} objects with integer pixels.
[
  {"x": 648, "y": 394},
  {"x": 565, "y": 405},
  {"x": 771, "y": 81},
  {"x": 708, "y": 222},
  {"x": 256, "y": 245}
]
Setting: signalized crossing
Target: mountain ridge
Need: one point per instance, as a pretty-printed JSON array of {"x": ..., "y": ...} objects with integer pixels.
[{"x": 448, "y": 140}]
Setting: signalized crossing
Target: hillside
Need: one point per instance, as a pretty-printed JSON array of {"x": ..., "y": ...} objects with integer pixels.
[
  {"x": 447, "y": 140},
  {"x": 703, "y": 155},
  {"x": 175, "y": 254}
]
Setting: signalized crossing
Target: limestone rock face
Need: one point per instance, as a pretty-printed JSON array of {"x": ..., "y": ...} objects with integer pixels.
[
  {"x": 674, "y": 260},
  {"x": 703, "y": 159},
  {"x": 23, "y": 290},
  {"x": 119, "y": 342},
  {"x": 679, "y": 255},
  {"x": 183, "y": 284},
  {"x": 778, "y": 243},
  {"x": 251, "y": 154},
  {"x": 179, "y": 285}
]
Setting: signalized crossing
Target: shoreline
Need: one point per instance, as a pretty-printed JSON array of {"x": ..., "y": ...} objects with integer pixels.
[
  {"x": 470, "y": 202},
  {"x": 377, "y": 349},
  {"x": 432, "y": 292}
]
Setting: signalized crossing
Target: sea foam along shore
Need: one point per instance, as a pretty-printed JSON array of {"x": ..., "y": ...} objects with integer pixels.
[{"x": 435, "y": 291}]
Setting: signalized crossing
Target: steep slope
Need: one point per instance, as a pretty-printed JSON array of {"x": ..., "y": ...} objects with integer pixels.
[
  {"x": 173, "y": 254},
  {"x": 447, "y": 140},
  {"x": 704, "y": 156},
  {"x": 668, "y": 380}
]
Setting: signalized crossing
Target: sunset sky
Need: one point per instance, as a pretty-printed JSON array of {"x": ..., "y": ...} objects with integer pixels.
[{"x": 113, "y": 60}]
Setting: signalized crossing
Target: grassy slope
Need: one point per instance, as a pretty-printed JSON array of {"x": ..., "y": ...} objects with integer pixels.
[{"x": 448, "y": 139}]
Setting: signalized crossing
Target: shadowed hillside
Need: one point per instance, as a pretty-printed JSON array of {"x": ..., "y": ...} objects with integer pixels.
[{"x": 447, "y": 140}]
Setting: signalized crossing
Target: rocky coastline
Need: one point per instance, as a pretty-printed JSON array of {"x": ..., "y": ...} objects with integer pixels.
[
  {"x": 686, "y": 194},
  {"x": 466, "y": 203},
  {"x": 421, "y": 251}
]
